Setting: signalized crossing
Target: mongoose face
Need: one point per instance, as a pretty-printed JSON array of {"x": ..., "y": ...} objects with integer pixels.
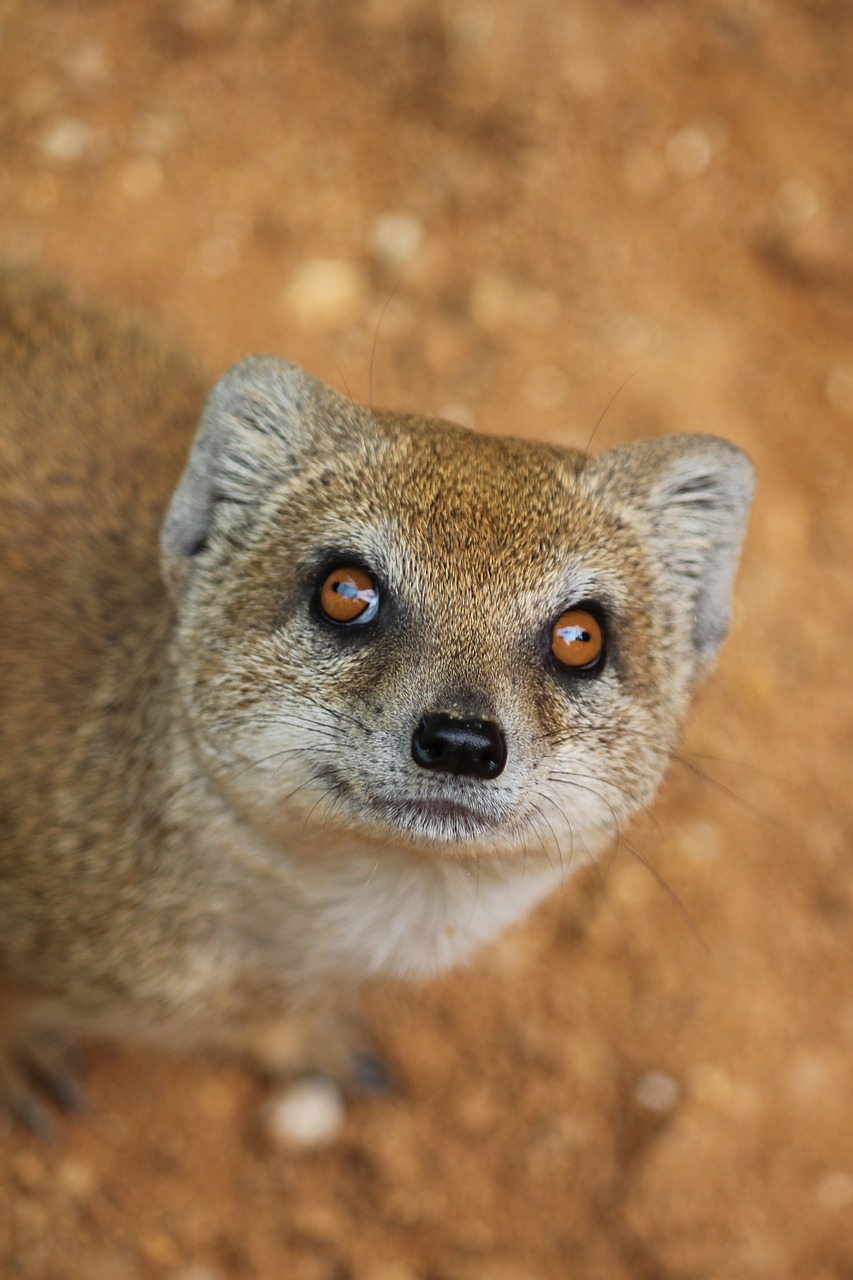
[{"x": 465, "y": 644}]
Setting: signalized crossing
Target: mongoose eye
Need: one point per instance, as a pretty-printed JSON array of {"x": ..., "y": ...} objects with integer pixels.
[
  {"x": 577, "y": 640},
  {"x": 349, "y": 596}
]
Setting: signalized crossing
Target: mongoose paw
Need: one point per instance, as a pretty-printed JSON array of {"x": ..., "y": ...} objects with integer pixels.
[
  {"x": 329, "y": 1043},
  {"x": 35, "y": 1072},
  {"x": 310, "y": 1110}
]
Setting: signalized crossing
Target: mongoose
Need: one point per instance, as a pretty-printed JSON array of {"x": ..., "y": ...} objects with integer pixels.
[{"x": 339, "y": 697}]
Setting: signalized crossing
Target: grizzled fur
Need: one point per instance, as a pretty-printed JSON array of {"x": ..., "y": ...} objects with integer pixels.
[{"x": 211, "y": 817}]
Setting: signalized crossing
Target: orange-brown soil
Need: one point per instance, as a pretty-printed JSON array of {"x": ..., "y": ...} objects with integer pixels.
[{"x": 653, "y": 1078}]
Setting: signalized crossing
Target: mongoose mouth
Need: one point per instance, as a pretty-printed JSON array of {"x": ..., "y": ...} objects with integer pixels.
[
  {"x": 422, "y": 819},
  {"x": 437, "y": 820}
]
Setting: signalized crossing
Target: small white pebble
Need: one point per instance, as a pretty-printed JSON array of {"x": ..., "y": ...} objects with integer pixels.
[
  {"x": 689, "y": 152},
  {"x": 656, "y": 1091},
  {"x": 142, "y": 178},
  {"x": 310, "y": 1114},
  {"x": 545, "y": 387},
  {"x": 839, "y": 388},
  {"x": 395, "y": 237},
  {"x": 835, "y": 1191},
  {"x": 458, "y": 413},
  {"x": 795, "y": 202},
  {"x": 67, "y": 140},
  {"x": 326, "y": 293}
]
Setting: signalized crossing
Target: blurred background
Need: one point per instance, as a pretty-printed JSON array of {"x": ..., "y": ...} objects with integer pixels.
[{"x": 547, "y": 205}]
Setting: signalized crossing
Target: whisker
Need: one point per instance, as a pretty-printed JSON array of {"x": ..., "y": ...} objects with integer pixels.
[
  {"x": 388, "y": 302},
  {"x": 753, "y": 808},
  {"x": 550, "y": 827},
  {"x": 664, "y": 884},
  {"x": 607, "y": 407},
  {"x": 627, "y": 935},
  {"x": 544, "y": 846},
  {"x": 644, "y": 861}
]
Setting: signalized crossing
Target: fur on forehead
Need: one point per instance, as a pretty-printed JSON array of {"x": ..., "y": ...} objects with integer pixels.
[{"x": 267, "y": 424}]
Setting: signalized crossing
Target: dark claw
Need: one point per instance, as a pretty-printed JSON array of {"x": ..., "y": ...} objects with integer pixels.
[
  {"x": 66, "y": 1092},
  {"x": 370, "y": 1074},
  {"x": 37, "y": 1070},
  {"x": 35, "y": 1118},
  {"x": 54, "y": 1066}
]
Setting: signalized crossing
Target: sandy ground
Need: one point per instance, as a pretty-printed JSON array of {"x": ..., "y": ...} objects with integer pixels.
[{"x": 644, "y": 1081}]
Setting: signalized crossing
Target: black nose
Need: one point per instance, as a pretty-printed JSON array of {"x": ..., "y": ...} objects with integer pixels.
[{"x": 473, "y": 747}]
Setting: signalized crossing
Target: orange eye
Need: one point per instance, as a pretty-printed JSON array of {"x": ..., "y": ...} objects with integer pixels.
[
  {"x": 576, "y": 639},
  {"x": 349, "y": 595}
]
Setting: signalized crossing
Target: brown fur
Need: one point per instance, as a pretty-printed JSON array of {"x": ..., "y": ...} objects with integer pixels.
[{"x": 210, "y": 814}]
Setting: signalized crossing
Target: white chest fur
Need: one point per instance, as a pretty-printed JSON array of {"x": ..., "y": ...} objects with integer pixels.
[
  {"x": 407, "y": 916},
  {"x": 330, "y": 908}
]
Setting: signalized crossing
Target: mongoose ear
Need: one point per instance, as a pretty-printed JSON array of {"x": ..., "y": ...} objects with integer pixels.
[
  {"x": 693, "y": 494},
  {"x": 259, "y": 419}
]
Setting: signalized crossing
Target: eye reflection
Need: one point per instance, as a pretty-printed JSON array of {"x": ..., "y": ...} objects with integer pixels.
[
  {"x": 577, "y": 641},
  {"x": 349, "y": 595}
]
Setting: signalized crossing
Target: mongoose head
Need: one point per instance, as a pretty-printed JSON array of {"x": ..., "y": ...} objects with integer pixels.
[{"x": 429, "y": 636}]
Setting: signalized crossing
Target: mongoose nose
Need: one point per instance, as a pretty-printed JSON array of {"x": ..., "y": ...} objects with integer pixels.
[{"x": 476, "y": 748}]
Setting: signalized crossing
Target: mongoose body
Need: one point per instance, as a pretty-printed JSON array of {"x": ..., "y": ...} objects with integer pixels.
[{"x": 338, "y": 698}]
